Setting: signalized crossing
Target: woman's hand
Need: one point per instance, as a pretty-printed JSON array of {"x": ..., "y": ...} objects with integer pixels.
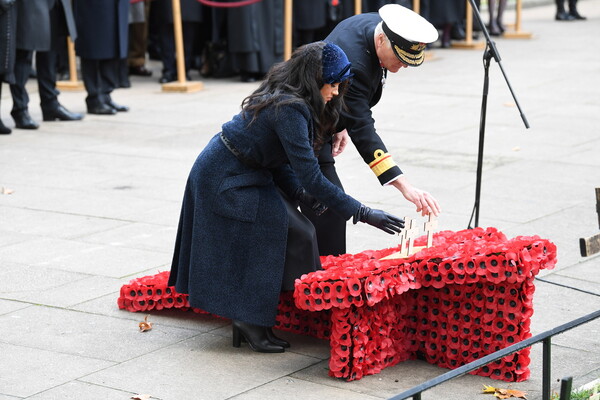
[{"x": 340, "y": 140}]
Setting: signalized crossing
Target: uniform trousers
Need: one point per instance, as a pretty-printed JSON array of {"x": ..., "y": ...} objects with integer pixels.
[{"x": 330, "y": 227}]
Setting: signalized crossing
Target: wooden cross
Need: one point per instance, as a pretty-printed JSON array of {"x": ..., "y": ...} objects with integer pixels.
[
  {"x": 410, "y": 232},
  {"x": 430, "y": 227},
  {"x": 403, "y": 244}
]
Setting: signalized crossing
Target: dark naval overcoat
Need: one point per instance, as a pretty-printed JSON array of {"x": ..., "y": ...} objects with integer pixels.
[
  {"x": 355, "y": 36},
  {"x": 231, "y": 241}
]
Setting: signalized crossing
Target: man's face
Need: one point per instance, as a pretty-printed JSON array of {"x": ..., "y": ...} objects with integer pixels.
[{"x": 386, "y": 55}]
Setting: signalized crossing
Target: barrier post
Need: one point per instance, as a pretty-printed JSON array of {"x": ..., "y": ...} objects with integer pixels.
[
  {"x": 180, "y": 85},
  {"x": 357, "y": 7},
  {"x": 72, "y": 84},
  {"x": 287, "y": 29},
  {"x": 517, "y": 33}
]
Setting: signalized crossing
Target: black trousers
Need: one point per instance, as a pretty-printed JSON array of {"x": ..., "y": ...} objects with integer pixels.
[
  {"x": 46, "y": 76},
  {"x": 301, "y": 252},
  {"x": 100, "y": 78},
  {"x": 190, "y": 31},
  {"x": 330, "y": 227}
]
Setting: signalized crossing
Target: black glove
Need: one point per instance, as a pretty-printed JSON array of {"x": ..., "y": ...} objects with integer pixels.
[
  {"x": 306, "y": 199},
  {"x": 379, "y": 219}
]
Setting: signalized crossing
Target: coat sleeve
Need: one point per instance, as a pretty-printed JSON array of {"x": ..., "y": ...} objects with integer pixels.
[
  {"x": 358, "y": 119},
  {"x": 291, "y": 126}
]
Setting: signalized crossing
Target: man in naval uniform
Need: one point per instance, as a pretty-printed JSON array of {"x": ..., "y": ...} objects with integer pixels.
[{"x": 375, "y": 43}]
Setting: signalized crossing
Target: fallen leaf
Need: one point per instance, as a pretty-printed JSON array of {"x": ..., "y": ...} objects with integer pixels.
[
  {"x": 516, "y": 148},
  {"x": 517, "y": 393},
  {"x": 504, "y": 393},
  {"x": 6, "y": 190},
  {"x": 145, "y": 326},
  {"x": 141, "y": 397},
  {"x": 489, "y": 389}
]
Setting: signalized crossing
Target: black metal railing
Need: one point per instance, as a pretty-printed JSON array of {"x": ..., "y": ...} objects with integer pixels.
[{"x": 544, "y": 337}]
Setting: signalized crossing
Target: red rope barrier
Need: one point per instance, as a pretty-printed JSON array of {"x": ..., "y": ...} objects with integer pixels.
[
  {"x": 228, "y": 5},
  {"x": 218, "y": 4}
]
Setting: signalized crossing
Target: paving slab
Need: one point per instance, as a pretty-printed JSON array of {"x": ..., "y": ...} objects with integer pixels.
[
  {"x": 52, "y": 287},
  {"x": 86, "y": 335},
  {"x": 27, "y": 371},
  {"x": 205, "y": 366},
  {"x": 76, "y": 390}
]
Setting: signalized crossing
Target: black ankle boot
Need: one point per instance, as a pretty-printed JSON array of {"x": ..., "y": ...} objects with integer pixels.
[
  {"x": 256, "y": 336},
  {"x": 276, "y": 340}
]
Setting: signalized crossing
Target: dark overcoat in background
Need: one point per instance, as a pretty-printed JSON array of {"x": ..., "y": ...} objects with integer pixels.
[
  {"x": 255, "y": 35},
  {"x": 191, "y": 11},
  {"x": 102, "y": 27},
  {"x": 33, "y": 29},
  {"x": 444, "y": 12},
  {"x": 310, "y": 14},
  {"x": 40, "y": 30},
  {"x": 8, "y": 27},
  {"x": 231, "y": 241}
]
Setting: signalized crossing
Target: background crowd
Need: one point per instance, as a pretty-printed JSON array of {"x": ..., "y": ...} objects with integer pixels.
[{"x": 226, "y": 38}]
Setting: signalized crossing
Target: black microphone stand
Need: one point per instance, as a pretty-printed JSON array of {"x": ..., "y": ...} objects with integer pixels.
[{"x": 490, "y": 52}]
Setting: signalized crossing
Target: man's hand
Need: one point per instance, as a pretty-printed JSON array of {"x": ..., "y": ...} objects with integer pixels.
[
  {"x": 340, "y": 140},
  {"x": 424, "y": 201}
]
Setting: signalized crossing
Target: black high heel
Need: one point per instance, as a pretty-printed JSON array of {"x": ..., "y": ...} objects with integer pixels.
[
  {"x": 256, "y": 336},
  {"x": 276, "y": 340}
]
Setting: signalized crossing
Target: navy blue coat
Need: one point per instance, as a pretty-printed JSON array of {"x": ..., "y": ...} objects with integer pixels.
[
  {"x": 231, "y": 241},
  {"x": 102, "y": 28}
]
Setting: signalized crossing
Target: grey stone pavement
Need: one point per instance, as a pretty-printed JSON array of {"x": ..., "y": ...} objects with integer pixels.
[{"x": 89, "y": 205}]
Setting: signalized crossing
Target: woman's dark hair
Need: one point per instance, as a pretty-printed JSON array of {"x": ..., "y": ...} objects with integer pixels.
[{"x": 299, "y": 80}]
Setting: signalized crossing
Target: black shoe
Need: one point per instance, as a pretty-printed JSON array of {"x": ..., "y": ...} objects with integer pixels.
[
  {"x": 166, "y": 78},
  {"x": 275, "y": 340},
  {"x": 60, "y": 113},
  {"x": 256, "y": 336},
  {"x": 576, "y": 15},
  {"x": 101, "y": 109},
  {"x": 563, "y": 16},
  {"x": 4, "y": 130},
  {"x": 117, "y": 107},
  {"x": 23, "y": 120},
  {"x": 457, "y": 32},
  {"x": 247, "y": 77},
  {"x": 140, "y": 71}
]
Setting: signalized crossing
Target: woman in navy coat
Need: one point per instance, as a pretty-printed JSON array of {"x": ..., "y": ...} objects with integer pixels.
[{"x": 239, "y": 224}]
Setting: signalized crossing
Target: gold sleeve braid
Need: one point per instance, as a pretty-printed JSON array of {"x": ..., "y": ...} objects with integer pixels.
[{"x": 382, "y": 162}]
